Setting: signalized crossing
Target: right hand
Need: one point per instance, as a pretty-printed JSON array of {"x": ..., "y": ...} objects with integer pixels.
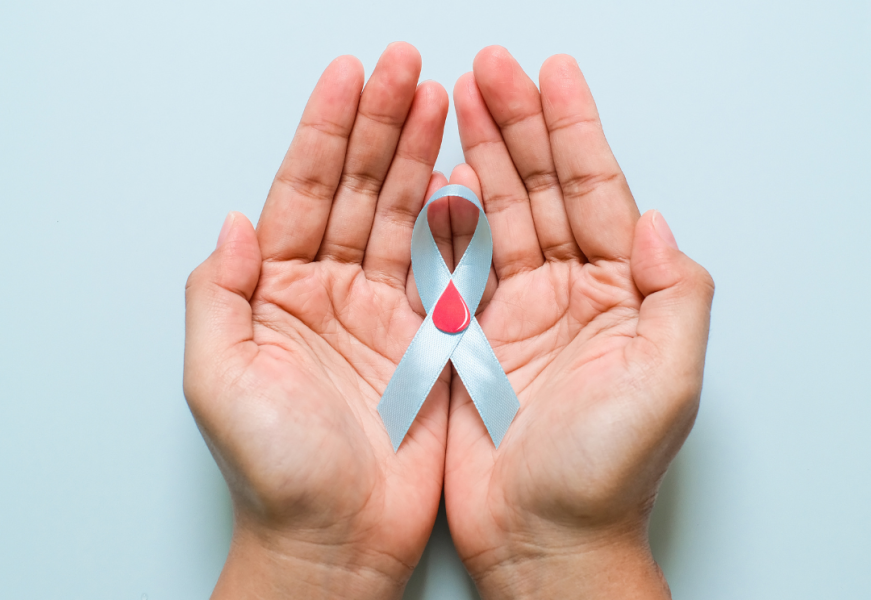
[{"x": 294, "y": 331}]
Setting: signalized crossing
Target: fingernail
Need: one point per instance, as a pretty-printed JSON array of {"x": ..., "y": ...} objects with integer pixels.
[
  {"x": 225, "y": 228},
  {"x": 663, "y": 230}
]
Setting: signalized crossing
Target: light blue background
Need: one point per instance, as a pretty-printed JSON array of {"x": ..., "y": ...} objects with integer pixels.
[{"x": 128, "y": 130}]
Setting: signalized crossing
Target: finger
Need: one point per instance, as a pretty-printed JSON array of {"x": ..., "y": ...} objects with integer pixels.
[
  {"x": 515, "y": 104},
  {"x": 383, "y": 109},
  {"x": 675, "y": 314},
  {"x": 515, "y": 245},
  {"x": 388, "y": 253},
  {"x": 438, "y": 217},
  {"x": 598, "y": 202},
  {"x": 464, "y": 219},
  {"x": 218, "y": 320},
  {"x": 295, "y": 215}
]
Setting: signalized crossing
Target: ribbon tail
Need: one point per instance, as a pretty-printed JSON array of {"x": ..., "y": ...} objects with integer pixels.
[
  {"x": 485, "y": 381},
  {"x": 417, "y": 372}
]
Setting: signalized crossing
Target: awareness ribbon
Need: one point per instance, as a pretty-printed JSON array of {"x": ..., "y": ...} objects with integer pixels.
[{"x": 450, "y": 331}]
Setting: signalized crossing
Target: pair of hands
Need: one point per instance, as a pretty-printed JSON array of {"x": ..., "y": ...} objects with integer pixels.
[{"x": 294, "y": 330}]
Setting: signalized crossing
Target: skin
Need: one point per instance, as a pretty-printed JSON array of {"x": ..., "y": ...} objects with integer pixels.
[
  {"x": 294, "y": 330},
  {"x": 601, "y": 325}
]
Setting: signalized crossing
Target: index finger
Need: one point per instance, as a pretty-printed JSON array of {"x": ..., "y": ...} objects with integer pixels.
[
  {"x": 295, "y": 216},
  {"x": 601, "y": 209}
]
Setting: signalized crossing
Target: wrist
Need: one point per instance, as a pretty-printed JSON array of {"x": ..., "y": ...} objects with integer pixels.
[
  {"x": 268, "y": 564},
  {"x": 598, "y": 566}
]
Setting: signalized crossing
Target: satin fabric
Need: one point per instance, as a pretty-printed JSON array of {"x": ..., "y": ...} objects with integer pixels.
[{"x": 431, "y": 349}]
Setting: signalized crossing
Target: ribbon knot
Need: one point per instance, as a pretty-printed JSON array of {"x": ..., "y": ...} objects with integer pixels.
[{"x": 449, "y": 332}]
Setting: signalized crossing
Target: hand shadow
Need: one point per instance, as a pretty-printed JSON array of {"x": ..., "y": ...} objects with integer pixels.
[
  {"x": 666, "y": 514},
  {"x": 440, "y": 573}
]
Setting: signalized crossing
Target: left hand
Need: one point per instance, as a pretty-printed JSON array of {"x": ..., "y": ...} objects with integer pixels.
[{"x": 601, "y": 325}]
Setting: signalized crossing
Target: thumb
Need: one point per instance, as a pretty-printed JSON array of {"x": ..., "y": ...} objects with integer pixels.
[
  {"x": 218, "y": 314},
  {"x": 675, "y": 314}
]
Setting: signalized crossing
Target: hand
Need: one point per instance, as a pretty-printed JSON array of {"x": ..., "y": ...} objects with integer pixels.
[
  {"x": 601, "y": 325},
  {"x": 294, "y": 331}
]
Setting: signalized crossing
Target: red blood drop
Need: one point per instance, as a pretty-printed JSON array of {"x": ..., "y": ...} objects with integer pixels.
[{"x": 451, "y": 314}]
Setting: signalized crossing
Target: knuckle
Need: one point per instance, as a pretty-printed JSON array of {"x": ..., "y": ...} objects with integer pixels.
[
  {"x": 586, "y": 124},
  {"x": 194, "y": 280},
  {"x": 582, "y": 185},
  {"x": 387, "y": 119},
  {"x": 703, "y": 281},
  {"x": 519, "y": 118},
  {"x": 399, "y": 212},
  {"x": 326, "y": 127},
  {"x": 501, "y": 201},
  {"x": 190, "y": 388},
  {"x": 309, "y": 186},
  {"x": 541, "y": 181},
  {"x": 362, "y": 183},
  {"x": 239, "y": 250}
]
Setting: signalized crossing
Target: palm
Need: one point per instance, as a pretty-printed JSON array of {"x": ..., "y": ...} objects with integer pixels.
[
  {"x": 329, "y": 339},
  {"x": 561, "y": 333}
]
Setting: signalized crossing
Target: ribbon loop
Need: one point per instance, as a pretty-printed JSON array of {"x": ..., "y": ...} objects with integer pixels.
[{"x": 431, "y": 348}]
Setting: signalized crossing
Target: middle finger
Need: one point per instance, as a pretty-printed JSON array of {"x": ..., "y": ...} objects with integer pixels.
[
  {"x": 515, "y": 104},
  {"x": 384, "y": 106},
  {"x": 516, "y": 247}
]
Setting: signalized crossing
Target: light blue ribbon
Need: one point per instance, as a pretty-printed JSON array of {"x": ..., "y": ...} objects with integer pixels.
[{"x": 431, "y": 348}]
